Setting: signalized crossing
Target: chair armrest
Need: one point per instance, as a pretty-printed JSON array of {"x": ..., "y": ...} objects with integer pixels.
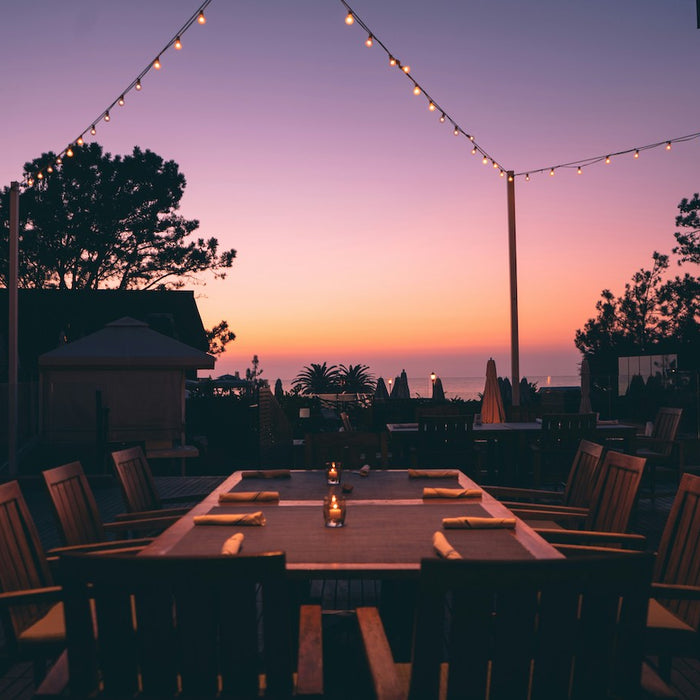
[
  {"x": 591, "y": 537},
  {"x": 30, "y": 595},
  {"x": 546, "y": 514},
  {"x": 380, "y": 660},
  {"x": 141, "y": 524},
  {"x": 584, "y": 550},
  {"x": 142, "y": 514},
  {"x": 571, "y": 511},
  {"x": 98, "y": 547},
  {"x": 675, "y": 591},
  {"x": 508, "y": 493},
  {"x": 56, "y": 680},
  {"x": 310, "y": 657}
]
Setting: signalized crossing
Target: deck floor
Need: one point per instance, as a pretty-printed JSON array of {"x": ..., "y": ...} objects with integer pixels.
[{"x": 16, "y": 682}]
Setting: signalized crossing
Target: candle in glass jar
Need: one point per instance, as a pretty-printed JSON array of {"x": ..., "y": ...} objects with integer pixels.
[
  {"x": 334, "y": 510},
  {"x": 333, "y": 472}
]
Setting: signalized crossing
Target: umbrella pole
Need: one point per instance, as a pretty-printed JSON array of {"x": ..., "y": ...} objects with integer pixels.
[{"x": 512, "y": 255}]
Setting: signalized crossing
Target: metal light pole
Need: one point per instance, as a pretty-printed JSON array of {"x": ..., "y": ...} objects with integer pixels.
[
  {"x": 12, "y": 403},
  {"x": 512, "y": 256}
]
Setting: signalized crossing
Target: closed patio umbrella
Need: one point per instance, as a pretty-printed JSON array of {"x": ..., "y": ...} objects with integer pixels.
[
  {"x": 438, "y": 392},
  {"x": 405, "y": 391},
  {"x": 380, "y": 391},
  {"x": 585, "y": 406},
  {"x": 492, "y": 404}
]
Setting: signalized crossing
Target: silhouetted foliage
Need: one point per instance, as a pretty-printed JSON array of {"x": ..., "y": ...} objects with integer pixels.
[
  {"x": 356, "y": 379},
  {"x": 219, "y": 336},
  {"x": 317, "y": 379}
]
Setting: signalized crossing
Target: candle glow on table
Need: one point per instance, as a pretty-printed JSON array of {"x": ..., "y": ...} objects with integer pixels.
[
  {"x": 334, "y": 510},
  {"x": 333, "y": 470}
]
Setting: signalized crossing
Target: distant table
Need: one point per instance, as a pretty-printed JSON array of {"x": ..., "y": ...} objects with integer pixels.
[
  {"x": 388, "y": 530},
  {"x": 180, "y": 452}
]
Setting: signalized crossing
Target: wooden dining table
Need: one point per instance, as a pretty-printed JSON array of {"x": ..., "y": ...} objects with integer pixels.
[{"x": 388, "y": 528}]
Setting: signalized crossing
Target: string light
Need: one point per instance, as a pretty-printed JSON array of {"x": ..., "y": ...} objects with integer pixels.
[
  {"x": 174, "y": 42},
  {"x": 349, "y": 19},
  {"x": 369, "y": 41},
  {"x": 416, "y": 90},
  {"x": 406, "y": 69},
  {"x": 392, "y": 61},
  {"x": 484, "y": 160},
  {"x": 40, "y": 175},
  {"x": 636, "y": 153},
  {"x": 431, "y": 106},
  {"x": 442, "y": 118},
  {"x": 668, "y": 145},
  {"x": 551, "y": 172},
  {"x": 579, "y": 171},
  {"x": 49, "y": 168},
  {"x": 456, "y": 131},
  {"x": 607, "y": 159}
]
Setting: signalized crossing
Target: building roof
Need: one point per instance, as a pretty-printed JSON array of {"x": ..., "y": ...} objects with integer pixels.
[{"x": 126, "y": 343}]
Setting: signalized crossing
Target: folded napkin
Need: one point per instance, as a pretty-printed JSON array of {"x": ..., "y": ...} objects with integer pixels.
[
  {"x": 472, "y": 523},
  {"x": 233, "y": 544},
  {"x": 238, "y": 496},
  {"x": 364, "y": 471},
  {"x": 266, "y": 474},
  {"x": 451, "y": 493},
  {"x": 433, "y": 473},
  {"x": 443, "y": 547},
  {"x": 231, "y": 519}
]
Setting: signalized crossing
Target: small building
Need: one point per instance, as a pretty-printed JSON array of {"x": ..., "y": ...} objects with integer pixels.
[{"x": 124, "y": 383}]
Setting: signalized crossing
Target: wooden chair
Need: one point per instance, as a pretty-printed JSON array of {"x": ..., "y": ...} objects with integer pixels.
[
  {"x": 184, "y": 627},
  {"x": 608, "y": 517},
  {"x": 139, "y": 490},
  {"x": 559, "y": 629},
  {"x": 354, "y": 449},
  {"x": 446, "y": 441},
  {"x": 78, "y": 518},
  {"x": 557, "y": 444},
  {"x": 657, "y": 448},
  {"x": 577, "y": 493}
]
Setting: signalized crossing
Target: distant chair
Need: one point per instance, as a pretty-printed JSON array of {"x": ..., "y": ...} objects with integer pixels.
[
  {"x": 274, "y": 431},
  {"x": 559, "y": 628},
  {"x": 447, "y": 441},
  {"x": 354, "y": 449},
  {"x": 657, "y": 448},
  {"x": 557, "y": 444}
]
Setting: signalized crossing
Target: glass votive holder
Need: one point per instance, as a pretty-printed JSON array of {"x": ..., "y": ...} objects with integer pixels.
[
  {"x": 334, "y": 510},
  {"x": 333, "y": 473}
]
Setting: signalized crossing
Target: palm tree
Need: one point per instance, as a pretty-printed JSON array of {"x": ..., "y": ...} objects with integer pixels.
[
  {"x": 317, "y": 379},
  {"x": 356, "y": 379}
]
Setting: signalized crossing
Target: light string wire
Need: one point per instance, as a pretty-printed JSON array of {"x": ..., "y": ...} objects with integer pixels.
[
  {"x": 353, "y": 18},
  {"x": 434, "y": 106},
  {"x": 105, "y": 115}
]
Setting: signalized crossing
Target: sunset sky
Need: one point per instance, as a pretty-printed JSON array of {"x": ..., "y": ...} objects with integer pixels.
[{"x": 366, "y": 232}]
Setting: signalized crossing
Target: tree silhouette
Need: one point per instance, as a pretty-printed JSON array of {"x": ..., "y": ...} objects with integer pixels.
[
  {"x": 317, "y": 379},
  {"x": 356, "y": 379}
]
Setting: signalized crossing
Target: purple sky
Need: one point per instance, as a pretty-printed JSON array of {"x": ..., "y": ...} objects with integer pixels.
[{"x": 366, "y": 232}]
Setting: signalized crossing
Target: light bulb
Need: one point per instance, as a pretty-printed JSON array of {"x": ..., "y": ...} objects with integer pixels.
[
  {"x": 138, "y": 84},
  {"x": 406, "y": 69},
  {"x": 59, "y": 160},
  {"x": 431, "y": 106},
  {"x": 107, "y": 117},
  {"x": 202, "y": 19},
  {"x": 510, "y": 178},
  {"x": 40, "y": 175},
  {"x": 49, "y": 169},
  {"x": 442, "y": 118},
  {"x": 456, "y": 131},
  {"x": 470, "y": 137},
  {"x": 527, "y": 177},
  {"x": 369, "y": 41},
  {"x": 392, "y": 61},
  {"x": 156, "y": 63},
  {"x": 69, "y": 152},
  {"x": 668, "y": 146},
  {"x": 495, "y": 164},
  {"x": 636, "y": 153},
  {"x": 551, "y": 172},
  {"x": 178, "y": 43},
  {"x": 30, "y": 181},
  {"x": 93, "y": 130},
  {"x": 484, "y": 160},
  {"x": 416, "y": 90},
  {"x": 120, "y": 101},
  {"x": 579, "y": 171},
  {"x": 474, "y": 151},
  {"x": 607, "y": 159},
  {"x": 502, "y": 173},
  {"x": 80, "y": 141},
  {"x": 349, "y": 19}
]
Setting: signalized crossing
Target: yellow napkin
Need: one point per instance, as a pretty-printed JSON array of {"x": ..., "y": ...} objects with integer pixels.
[
  {"x": 468, "y": 523},
  {"x": 266, "y": 474},
  {"x": 451, "y": 493},
  {"x": 233, "y": 544},
  {"x": 443, "y": 547},
  {"x": 236, "y": 497},
  {"x": 433, "y": 473},
  {"x": 256, "y": 518}
]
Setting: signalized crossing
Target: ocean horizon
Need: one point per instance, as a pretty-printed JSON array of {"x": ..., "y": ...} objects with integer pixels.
[{"x": 468, "y": 388}]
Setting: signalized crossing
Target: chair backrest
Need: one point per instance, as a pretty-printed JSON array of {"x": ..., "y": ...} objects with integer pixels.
[
  {"x": 565, "y": 628},
  {"x": 177, "y": 626},
  {"x": 23, "y": 563},
  {"x": 354, "y": 449},
  {"x": 678, "y": 558},
  {"x": 615, "y": 494},
  {"x": 565, "y": 430},
  {"x": 136, "y": 480},
  {"x": 74, "y": 506},
  {"x": 345, "y": 419},
  {"x": 580, "y": 484},
  {"x": 666, "y": 427}
]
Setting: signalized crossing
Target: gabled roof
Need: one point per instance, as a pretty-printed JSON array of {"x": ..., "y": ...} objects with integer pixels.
[{"x": 127, "y": 343}]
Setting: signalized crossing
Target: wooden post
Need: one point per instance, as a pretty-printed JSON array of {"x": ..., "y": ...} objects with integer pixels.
[
  {"x": 12, "y": 364},
  {"x": 512, "y": 255}
]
